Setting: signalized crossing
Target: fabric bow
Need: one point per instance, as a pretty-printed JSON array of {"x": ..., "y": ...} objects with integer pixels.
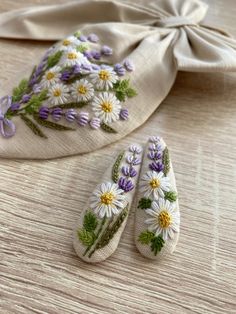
[
  {"x": 7, "y": 127},
  {"x": 161, "y": 38}
]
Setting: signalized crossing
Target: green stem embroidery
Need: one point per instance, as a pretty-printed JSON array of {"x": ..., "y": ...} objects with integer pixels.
[
  {"x": 51, "y": 125},
  {"x": 116, "y": 166},
  {"x": 166, "y": 161},
  {"x": 148, "y": 238},
  {"x": 107, "y": 128},
  {"x": 32, "y": 126},
  {"x": 71, "y": 105}
]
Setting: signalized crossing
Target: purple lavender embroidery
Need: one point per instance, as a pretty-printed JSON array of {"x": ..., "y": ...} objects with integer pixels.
[
  {"x": 25, "y": 98},
  {"x": 135, "y": 149},
  {"x": 76, "y": 69},
  {"x": 56, "y": 114},
  {"x": 15, "y": 106},
  {"x": 88, "y": 55},
  {"x": 106, "y": 51},
  {"x": 83, "y": 118},
  {"x": 129, "y": 171},
  {"x": 156, "y": 166},
  {"x": 95, "y": 67},
  {"x": 37, "y": 89},
  {"x": 70, "y": 115},
  {"x": 93, "y": 38},
  {"x": 129, "y": 65},
  {"x": 95, "y": 123},
  {"x": 82, "y": 38},
  {"x": 65, "y": 75},
  {"x": 43, "y": 112},
  {"x": 124, "y": 114},
  {"x": 119, "y": 69},
  {"x": 125, "y": 184},
  {"x": 133, "y": 160},
  {"x": 96, "y": 54},
  {"x": 154, "y": 155}
]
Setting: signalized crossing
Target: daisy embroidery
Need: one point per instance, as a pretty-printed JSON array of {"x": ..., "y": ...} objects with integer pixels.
[
  {"x": 72, "y": 57},
  {"x": 106, "y": 107},
  {"x": 82, "y": 90},
  {"x": 58, "y": 94},
  {"x": 51, "y": 77},
  {"x": 104, "y": 78},
  {"x": 107, "y": 200},
  {"x": 164, "y": 219},
  {"x": 69, "y": 42},
  {"x": 154, "y": 184}
]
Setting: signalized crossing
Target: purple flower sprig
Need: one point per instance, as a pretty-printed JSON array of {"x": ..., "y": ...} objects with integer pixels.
[{"x": 155, "y": 154}]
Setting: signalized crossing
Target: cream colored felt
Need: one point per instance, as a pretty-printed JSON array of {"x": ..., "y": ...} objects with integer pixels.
[
  {"x": 161, "y": 38},
  {"x": 103, "y": 253},
  {"x": 141, "y": 215}
]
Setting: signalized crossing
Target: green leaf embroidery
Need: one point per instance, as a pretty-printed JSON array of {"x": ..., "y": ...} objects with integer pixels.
[
  {"x": 107, "y": 128},
  {"x": 32, "y": 126},
  {"x": 19, "y": 91},
  {"x": 54, "y": 59},
  {"x": 87, "y": 238},
  {"x": 166, "y": 161},
  {"x": 146, "y": 237},
  {"x": 51, "y": 125},
  {"x": 71, "y": 105},
  {"x": 82, "y": 48},
  {"x": 157, "y": 244},
  {"x": 35, "y": 102},
  {"x": 90, "y": 221},
  {"x": 77, "y": 34},
  {"x": 144, "y": 203},
  {"x": 171, "y": 196},
  {"x": 115, "y": 168},
  {"x": 123, "y": 89}
]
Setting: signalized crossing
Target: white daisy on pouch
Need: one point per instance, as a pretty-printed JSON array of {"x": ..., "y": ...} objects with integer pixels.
[
  {"x": 82, "y": 90},
  {"x": 106, "y": 107},
  {"x": 107, "y": 200},
  {"x": 72, "y": 57},
  {"x": 154, "y": 184},
  {"x": 69, "y": 42},
  {"x": 58, "y": 94},
  {"x": 104, "y": 78},
  {"x": 51, "y": 77},
  {"x": 164, "y": 219}
]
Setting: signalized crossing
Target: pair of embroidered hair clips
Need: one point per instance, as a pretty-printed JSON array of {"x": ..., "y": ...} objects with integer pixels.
[{"x": 157, "y": 216}]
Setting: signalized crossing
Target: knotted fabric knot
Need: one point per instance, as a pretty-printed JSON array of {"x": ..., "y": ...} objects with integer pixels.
[
  {"x": 7, "y": 127},
  {"x": 174, "y": 22}
]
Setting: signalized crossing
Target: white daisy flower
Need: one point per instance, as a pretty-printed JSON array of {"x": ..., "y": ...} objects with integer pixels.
[
  {"x": 106, "y": 107},
  {"x": 107, "y": 200},
  {"x": 154, "y": 184},
  {"x": 58, "y": 94},
  {"x": 165, "y": 219},
  {"x": 104, "y": 78},
  {"x": 69, "y": 42},
  {"x": 82, "y": 90},
  {"x": 51, "y": 77},
  {"x": 72, "y": 57}
]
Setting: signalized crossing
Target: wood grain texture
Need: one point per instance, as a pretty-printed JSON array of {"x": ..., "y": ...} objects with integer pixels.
[{"x": 40, "y": 202}]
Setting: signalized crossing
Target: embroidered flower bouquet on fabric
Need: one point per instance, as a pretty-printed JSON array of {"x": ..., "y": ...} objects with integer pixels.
[{"x": 74, "y": 85}]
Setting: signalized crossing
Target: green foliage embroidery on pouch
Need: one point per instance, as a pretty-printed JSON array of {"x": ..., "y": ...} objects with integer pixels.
[
  {"x": 123, "y": 89},
  {"x": 20, "y": 90},
  {"x": 166, "y": 161},
  {"x": 116, "y": 167},
  {"x": 90, "y": 221},
  {"x": 54, "y": 59},
  {"x": 171, "y": 196},
  {"x": 144, "y": 203},
  {"x": 107, "y": 128},
  {"x": 51, "y": 125},
  {"x": 86, "y": 237},
  {"x": 35, "y": 102},
  {"x": 34, "y": 128}
]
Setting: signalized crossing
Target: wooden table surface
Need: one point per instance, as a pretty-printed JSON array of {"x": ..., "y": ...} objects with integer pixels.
[{"x": 41, "y": 200}]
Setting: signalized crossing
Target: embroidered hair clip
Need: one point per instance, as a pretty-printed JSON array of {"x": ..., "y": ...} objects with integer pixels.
[
  {"x": 104, "y": 217},
  {"x": 157, "y": 215}
]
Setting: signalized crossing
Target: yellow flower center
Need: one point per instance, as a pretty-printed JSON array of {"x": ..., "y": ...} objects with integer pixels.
[
  {"x": 155, "y": 183},
  {"x": 104, "y": 75},
  {"x": 72, "y": 55},
  {"x": 106, "y": 106},
  {"x": 57, "y": 92},
  {"x": 164, "y": 219},
  {"x": 66, "y": 42},
  {"x": 82, "y": 90},
  {"x": 107, "y": 198},
  {"x": 50, "y": 75}
]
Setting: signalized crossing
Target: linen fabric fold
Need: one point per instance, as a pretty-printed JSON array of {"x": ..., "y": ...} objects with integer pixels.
[{"x": 158, "y": 38}]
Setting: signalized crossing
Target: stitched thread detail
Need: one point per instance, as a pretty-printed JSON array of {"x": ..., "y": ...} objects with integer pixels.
[
  {"x": 144, "y": 203},
  {"x": 166, "y": 161},
  {"x": 116, "y": 167},
  {"x": 32, "y": 126}
]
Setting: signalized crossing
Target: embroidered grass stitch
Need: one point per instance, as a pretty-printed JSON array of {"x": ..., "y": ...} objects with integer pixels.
[
  {"x": 109, "y": 204},
  {"x": 70, "y": 76},
  {"x": 158, "y": 201}
]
